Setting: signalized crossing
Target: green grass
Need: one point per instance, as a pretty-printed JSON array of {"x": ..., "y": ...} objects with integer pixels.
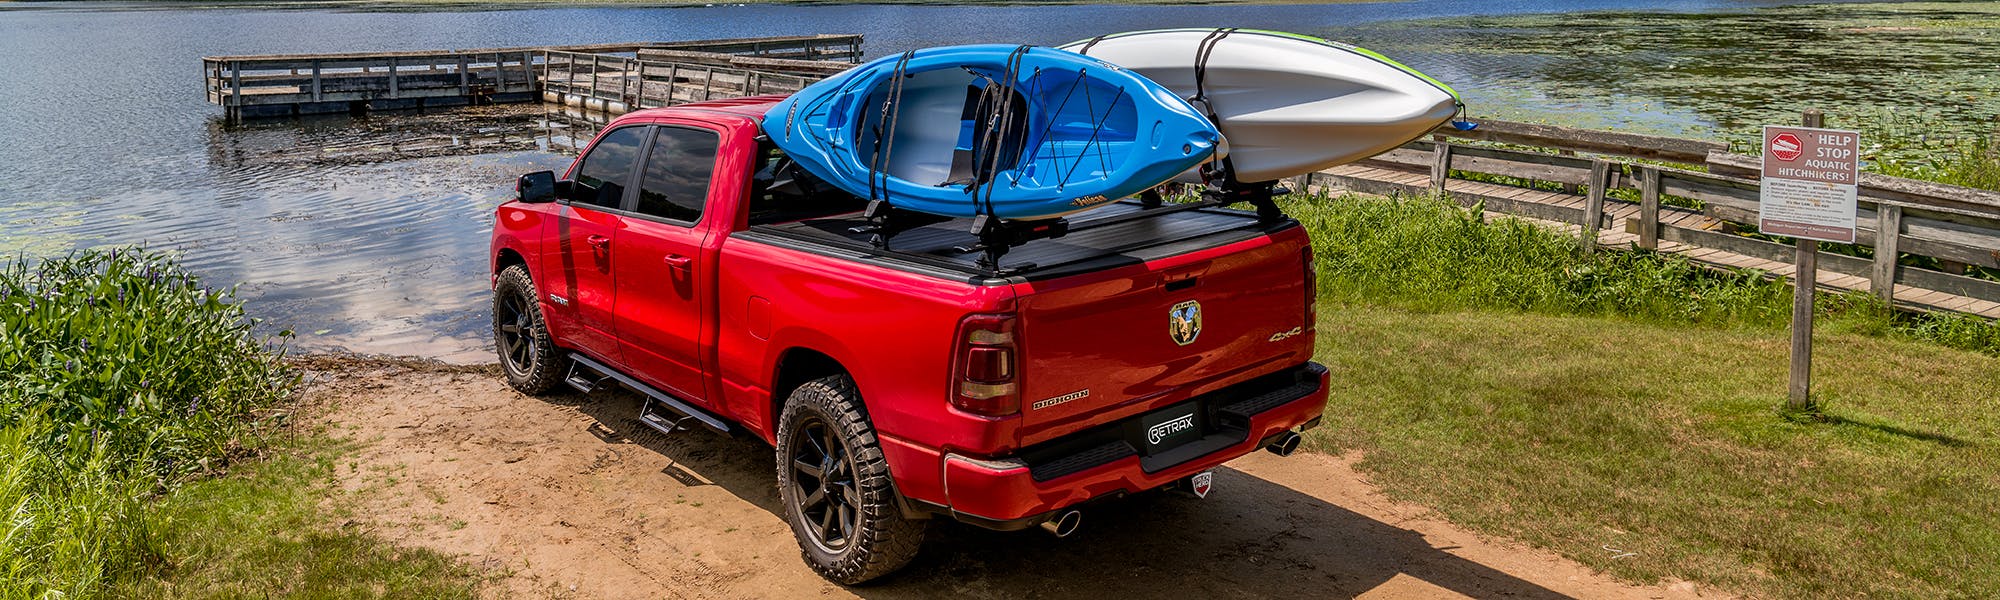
[
  {"x": 1580, "y": 432},
  {"x": 133, "y": 411},
  {"x": 1631, "y": 400},
  {"x": 1429, "y": 254},
  {"x": 278, "y": 528}
]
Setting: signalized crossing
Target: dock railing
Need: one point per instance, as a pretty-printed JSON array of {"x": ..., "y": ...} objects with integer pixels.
[
  {"x": 618, "y": 84},
  {"x": 1957, "y": 226},
  {"x": 338, "y": 79},
  {"x": 300, "y": 84}
]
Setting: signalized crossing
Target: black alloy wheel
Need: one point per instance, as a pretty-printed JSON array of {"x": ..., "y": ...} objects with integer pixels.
[
  {"x": 823, "y": 483},
  {"x": 839, "y": 497},
  {"x": 510, "y": 330},
  {"x": 532, "y": 363}
]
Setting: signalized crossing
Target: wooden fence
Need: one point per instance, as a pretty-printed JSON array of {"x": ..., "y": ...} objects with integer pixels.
[
  {"x": 618, "y": 84},
  {"x": 1713, "y": 202},
  {"x": 309, "y": 84},
  {"x": 301, "y": 84}
]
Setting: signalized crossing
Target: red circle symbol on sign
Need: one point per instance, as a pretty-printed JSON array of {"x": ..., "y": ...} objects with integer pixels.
[{"x": 1787, "y": 147}]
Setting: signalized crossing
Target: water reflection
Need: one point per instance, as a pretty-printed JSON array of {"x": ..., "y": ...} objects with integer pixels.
[{"x": 370, "y": 233}]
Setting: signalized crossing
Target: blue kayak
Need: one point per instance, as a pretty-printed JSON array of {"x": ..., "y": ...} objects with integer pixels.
[{"x": 1017, "y": 132}]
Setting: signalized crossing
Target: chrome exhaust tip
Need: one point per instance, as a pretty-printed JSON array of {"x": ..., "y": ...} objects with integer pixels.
[
  {"x": 1064, "y": 525},
  {"x": 1286, "y": 444}
]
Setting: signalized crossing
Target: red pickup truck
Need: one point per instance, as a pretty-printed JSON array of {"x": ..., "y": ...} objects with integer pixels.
[{"x": 911, "y": 372}]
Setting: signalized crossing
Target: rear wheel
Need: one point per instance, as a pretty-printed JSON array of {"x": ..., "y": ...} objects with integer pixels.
[
  {"x": 521, "y": 336},
  {"x": 836, "y": 487}
]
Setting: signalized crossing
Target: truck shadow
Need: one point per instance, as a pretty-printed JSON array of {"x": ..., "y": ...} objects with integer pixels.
[{"x": 1250, "y": 538}]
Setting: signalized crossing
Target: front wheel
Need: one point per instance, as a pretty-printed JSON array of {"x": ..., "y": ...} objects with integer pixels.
[
  {"x": 521, "y": 336},
  {"x": 836, "y": 487}
]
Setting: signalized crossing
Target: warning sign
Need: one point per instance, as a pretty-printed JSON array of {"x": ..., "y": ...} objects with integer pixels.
[
  {"x": 1787, "y": 146},
  {"x": 1809, "y": 186}
]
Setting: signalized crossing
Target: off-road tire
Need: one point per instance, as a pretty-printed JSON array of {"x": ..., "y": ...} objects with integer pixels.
[
  {"x": 516, "y": 305},
  {"x": 882, "y": 540}
]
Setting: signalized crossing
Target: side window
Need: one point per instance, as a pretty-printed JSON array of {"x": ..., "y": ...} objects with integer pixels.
[
  {"x": 783, "y": 192},
  {"x": 677, "y": 174},
  {"x": 602, "y": 178}
]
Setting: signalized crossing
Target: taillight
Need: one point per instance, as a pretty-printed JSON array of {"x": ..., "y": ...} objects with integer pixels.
[
  {"x": 1312, "y": 288},
  {"x": 984, "y": 378}
]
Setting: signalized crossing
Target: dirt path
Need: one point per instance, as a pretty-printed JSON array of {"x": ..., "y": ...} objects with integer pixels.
[{"x": 570, "y": 497}]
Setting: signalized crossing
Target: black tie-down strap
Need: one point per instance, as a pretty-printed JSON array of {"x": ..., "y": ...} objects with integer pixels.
[{"x": 1217, "y": 169}]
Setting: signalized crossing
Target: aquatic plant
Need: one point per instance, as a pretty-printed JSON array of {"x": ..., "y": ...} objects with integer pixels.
[{"x": 1913, "y": 77}]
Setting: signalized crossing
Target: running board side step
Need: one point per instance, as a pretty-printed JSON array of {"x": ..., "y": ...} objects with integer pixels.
[{"x": 661, "y": 411}]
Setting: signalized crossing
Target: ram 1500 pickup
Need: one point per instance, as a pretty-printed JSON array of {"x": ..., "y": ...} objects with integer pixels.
[{"x": 912, "y": 371}]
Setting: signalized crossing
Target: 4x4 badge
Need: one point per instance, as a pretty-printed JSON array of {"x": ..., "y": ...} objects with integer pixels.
[{"x": 1184, "y": 322}]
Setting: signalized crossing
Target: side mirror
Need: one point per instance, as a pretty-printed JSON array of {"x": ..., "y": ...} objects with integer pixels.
[{"x": 536, "y": 187}]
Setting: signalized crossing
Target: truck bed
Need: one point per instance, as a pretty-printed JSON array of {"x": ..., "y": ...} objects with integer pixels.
[{"x": 934, "y": 248}]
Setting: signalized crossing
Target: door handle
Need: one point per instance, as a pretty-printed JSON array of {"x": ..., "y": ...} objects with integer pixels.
[
  {"x": 598, "y": 241},
  {"x": 679, "y": 262}
]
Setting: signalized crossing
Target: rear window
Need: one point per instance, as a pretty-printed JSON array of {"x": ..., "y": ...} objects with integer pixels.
[
  {"x": 783, "y": 192},
  {"x": 677, "y": 174}
]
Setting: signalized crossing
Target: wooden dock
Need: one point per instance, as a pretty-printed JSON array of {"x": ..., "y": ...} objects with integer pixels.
[
  {"x": 610, "y": 77},
  {"x": 1573, "y": 180}
]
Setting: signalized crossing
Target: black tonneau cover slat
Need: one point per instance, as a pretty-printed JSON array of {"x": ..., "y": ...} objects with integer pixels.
[{"x": 935, "y": 245}]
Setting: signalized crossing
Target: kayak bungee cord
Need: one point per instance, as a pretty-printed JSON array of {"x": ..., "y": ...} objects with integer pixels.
[
  {"x": 1102, "y": 160},
  {"x": 999, "y": 119},
  {"x": 1034, "y": 91},
  {"x": 892, "y": 111},
  {"x": 1093, "y": 41},
  {"x": 1049, "y": 124},
  {"x": 1201, "y": 54},
  {"x": 1003, "y": 119}
]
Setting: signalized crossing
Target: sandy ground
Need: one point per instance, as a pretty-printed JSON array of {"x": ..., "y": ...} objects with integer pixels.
[{"x": 570, "y": 497}]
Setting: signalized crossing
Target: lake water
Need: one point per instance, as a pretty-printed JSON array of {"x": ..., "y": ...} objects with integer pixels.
[{"x": 106, "y": 137}]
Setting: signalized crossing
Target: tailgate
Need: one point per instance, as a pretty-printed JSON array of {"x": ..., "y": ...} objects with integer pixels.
[{"x": 1111, "y": 344}]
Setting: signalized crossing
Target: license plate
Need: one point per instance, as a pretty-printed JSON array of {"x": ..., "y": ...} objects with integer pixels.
[{"x": 1171, "y": 427}]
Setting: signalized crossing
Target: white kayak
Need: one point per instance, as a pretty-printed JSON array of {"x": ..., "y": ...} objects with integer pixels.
[{"x": 1286, "y": 104}]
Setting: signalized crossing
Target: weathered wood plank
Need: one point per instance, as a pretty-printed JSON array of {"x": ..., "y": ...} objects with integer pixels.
[
  {"x": 817, "y": 68},
  {"x": 1888, "y": 232},
  {"x": 1440, "y": 167},
  {"x": 1521, "y": 165},
  {"x": 774, "y": 42},
  {"x": 1649, "y": 207},
  {"x": 1593, "y": 205},
  {"x": 1404, "y": 159},
  {"x": 1584, "y": 140},
  {"x": 1958, "y": 285}
]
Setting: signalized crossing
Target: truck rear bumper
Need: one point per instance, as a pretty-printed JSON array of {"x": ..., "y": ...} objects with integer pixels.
[{"x": 1020, "y": 492}]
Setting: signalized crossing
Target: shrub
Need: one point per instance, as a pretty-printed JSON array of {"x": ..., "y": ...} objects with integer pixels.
[
  {"x": 124, "y": 376},
  {"x": 127, "y": 349}
]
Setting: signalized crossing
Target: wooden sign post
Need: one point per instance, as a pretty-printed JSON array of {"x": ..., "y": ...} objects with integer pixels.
[{"x": 1808, "y": 192}]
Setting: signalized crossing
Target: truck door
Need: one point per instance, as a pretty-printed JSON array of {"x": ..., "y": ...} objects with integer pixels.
[
  {"x": 662, "y": 272},
  {"x": 587, "y": 229}
]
